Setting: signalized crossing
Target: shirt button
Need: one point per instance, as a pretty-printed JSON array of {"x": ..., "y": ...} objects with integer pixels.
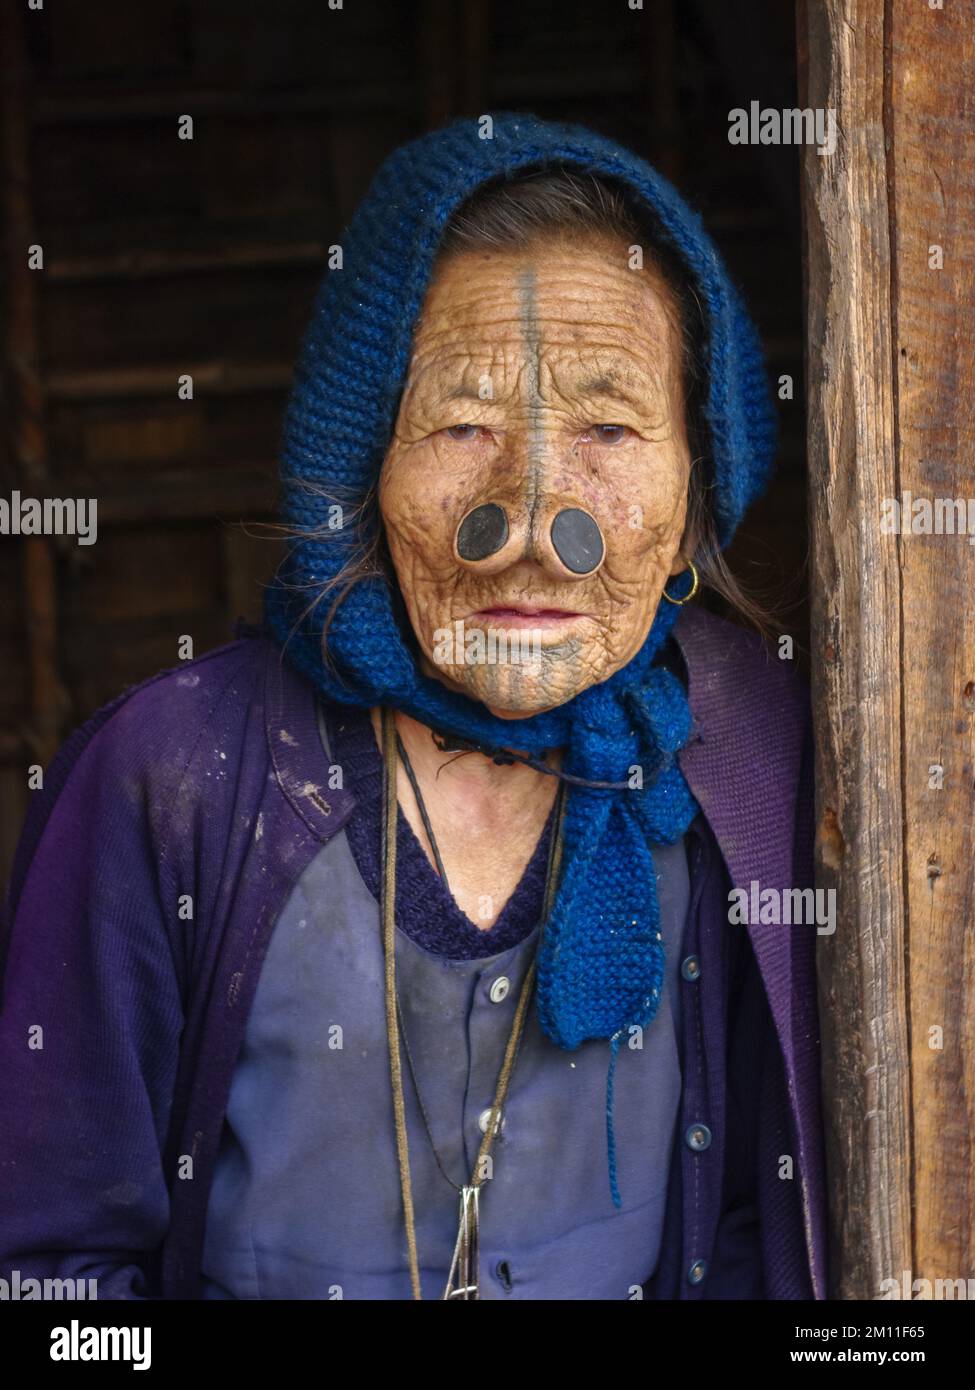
[
  {"x": 697, "y": 1271},
  {"x": 499, "y": 990},
  {"x": 697, "y": 1137},
  {"x": 484, "y": 1119},
  {"x": 690, "y": 967}
]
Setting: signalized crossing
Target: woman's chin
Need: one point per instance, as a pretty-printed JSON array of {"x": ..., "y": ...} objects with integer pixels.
[
  {"x": 512, "y": 694},
  {"x": 508, "y": 692}
]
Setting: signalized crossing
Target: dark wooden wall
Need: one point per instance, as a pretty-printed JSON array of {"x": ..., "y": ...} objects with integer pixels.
[{"x": 165, "y": 256}]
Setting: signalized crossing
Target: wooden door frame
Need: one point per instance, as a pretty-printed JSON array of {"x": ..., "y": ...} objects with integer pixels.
[{"x": 891, "y": 410}]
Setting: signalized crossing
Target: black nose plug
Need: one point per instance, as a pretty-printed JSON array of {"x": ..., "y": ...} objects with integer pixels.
[
  {"x": 482, "y": 532},
  {"x": 577, "y": 540}
]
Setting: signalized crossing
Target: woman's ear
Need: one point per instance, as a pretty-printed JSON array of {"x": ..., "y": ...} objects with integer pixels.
[{"x": 686, "y": 549}]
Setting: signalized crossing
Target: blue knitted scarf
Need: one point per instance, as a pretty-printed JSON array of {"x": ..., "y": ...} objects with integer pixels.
[{"x": 600, "y": 965}]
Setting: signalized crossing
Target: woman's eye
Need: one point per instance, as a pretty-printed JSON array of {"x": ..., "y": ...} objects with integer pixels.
[
  {"x": 462, "y": 432},
  {"x": 608, "y": 434}
]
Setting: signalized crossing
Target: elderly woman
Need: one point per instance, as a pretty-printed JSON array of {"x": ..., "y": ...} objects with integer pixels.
[{"x": 388, "y": 953}]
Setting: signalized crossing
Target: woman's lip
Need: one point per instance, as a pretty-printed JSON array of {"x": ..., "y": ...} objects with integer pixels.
[{"x": 525, "y": 616}]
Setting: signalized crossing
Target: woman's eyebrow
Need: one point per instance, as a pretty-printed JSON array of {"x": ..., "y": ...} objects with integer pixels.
[
  {"x": 612, "y": 387},
  {"x": 590, "y": 388}
]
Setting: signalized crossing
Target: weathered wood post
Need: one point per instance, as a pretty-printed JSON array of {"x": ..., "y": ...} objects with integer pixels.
[{"x": 890, "y": 267}]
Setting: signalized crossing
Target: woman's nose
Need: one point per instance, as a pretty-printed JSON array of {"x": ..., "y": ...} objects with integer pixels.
[{"x": 566, "y": 542}]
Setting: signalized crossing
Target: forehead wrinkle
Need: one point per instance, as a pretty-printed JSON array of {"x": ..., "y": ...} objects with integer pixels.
[
  {"x": 570, "y": 379},
  {"x": 442, "y": 376}
]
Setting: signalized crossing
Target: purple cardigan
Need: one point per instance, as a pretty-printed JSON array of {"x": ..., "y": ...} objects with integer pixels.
[{"x": 151, "y": 871}]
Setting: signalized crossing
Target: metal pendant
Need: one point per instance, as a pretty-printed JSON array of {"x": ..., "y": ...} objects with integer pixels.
[{"x": 462, "y": 1283}]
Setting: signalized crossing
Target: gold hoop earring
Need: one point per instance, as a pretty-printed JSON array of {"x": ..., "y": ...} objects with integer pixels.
[{"x": 678, "y": 602}]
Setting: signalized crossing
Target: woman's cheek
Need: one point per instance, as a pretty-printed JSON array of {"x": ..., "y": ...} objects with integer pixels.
[
  {"x": 649, "y": 509},
  {"x": 418, "y": 497}
]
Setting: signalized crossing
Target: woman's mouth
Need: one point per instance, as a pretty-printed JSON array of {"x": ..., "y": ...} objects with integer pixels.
[{"x": 524, "y": 615}]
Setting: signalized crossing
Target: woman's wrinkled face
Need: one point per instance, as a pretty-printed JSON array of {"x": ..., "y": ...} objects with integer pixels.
[{"x": 534, "y": 492}]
